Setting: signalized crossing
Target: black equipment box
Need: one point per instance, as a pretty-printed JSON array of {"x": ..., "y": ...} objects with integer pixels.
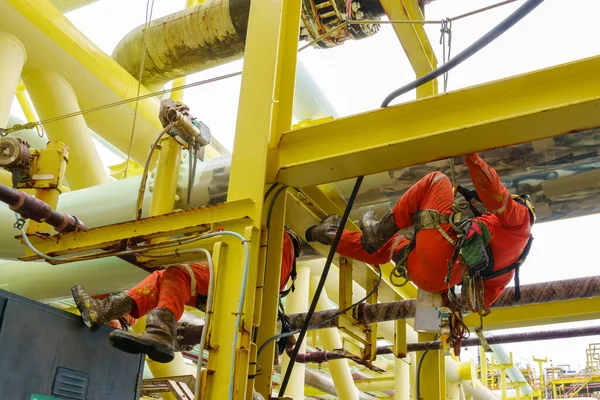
[{"x": 49, "y": 354}]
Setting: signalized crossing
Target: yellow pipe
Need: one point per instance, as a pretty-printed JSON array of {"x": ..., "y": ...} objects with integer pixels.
[
  {"x": 53, "y": 96},
  {"x": 402, "y": 378},
  {"x": 297, "y": 302},
  {"x": 330, "y": 338},
  {"x": 25, "y": 103},
  {"x": 483, "y": 365},
  {"x": 165, "y": 184},
  {"x": 14, "y": 56}
]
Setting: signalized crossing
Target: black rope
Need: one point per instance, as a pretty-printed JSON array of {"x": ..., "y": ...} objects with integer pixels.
[{"x": 482, "y": 42}]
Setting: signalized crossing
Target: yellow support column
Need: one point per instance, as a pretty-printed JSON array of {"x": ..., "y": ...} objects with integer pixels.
[
  {"x": 433, "y": 372},
  {"x": 52, "y": 96},
  {"x": 265, "y": 109},
  {"x": 25, "y": 103},
  {"x": 297, "y": 302},
  {"x": 330, "y": 340},
  {"x": 268, "y": 298},
  {"x": 13, "y": 55},
  {"x": 483, "y": 366},
  {"x": 165, "y": 183},
  {"x": 401, "y": 365}
]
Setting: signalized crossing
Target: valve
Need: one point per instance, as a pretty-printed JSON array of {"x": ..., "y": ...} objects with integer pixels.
[{"x": 15, "y": 157}]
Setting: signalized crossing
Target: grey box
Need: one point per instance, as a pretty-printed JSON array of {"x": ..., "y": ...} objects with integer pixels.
[{"x": 50, "y": 353}]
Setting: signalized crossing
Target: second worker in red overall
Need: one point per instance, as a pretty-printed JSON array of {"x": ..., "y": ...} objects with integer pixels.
[
  {"x": 162, "y": 297},
  {"x": 508, "y": 220}
]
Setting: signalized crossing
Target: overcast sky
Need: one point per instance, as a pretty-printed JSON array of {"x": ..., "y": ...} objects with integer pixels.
[{"x": 358, "y": 75}]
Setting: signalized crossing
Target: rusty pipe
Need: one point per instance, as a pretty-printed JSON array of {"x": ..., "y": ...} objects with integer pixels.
[
  {"x": 503, "y": 339},
  {"x": 320, "y": 357},
  {"x": 32, "y": 208},
  {"x": 535, "y": 293}
]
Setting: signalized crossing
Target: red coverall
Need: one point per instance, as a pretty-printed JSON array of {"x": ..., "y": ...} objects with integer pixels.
[
  {"x": 171, "y": 288},
  {"x": 508, "y": 223}
]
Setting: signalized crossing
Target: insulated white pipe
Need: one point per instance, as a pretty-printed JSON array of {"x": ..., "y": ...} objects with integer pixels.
[
  {"x": 503, "y": 357},
  {"x": 339, "y": 369},
  {"x": 13, "y": 56},
  {"x": 53, "y": 96},
  {"x": 297, "y": 302}
]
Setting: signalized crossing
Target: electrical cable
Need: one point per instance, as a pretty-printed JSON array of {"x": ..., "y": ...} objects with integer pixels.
[
  {"x": 482, "y": 42},
  {"x": 140, "y": 199},
  {"x": 206, "y": 315},
  {"x": 418, "y": 378},
  {"x": 313, "y": 305},
  {"x": 340, "y": 312}
]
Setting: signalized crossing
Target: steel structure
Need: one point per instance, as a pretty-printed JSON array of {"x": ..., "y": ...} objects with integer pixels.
[{"x": 514, "y": 111}]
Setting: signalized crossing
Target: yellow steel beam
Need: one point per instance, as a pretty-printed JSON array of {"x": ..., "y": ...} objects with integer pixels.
[
  {"x": 539, "y": 314},
  {"x": 268, "y": 295},
  {"x": 195, "y": 220},
  {"x": 528, "y": 107},
  {"x": 414, "y": 40}
]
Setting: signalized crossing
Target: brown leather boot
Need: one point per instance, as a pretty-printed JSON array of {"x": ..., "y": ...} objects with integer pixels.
[
  {"x": 325, "y": 231},
  {"x": 376, "y": 232},
  {"x": 97, "y": 312},
  {"x": 158, "y": 342}
]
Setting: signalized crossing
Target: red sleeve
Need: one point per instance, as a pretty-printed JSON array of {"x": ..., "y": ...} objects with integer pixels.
[
  {"x": 493, "y": 288},
  {"x": 494, "y": 194},
  {"x": 351, "y": 247}
]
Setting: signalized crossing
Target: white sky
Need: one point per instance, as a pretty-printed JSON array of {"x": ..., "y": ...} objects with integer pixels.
[{"x": 358, "y": 75}]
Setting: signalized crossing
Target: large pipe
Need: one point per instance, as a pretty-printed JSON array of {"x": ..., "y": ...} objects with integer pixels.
[
  {"x": 32, "y": 208},
  {"x": 214, "y": 33},
  {"x": 13, "y": 56},
  {"x": 53, "y": 96},
  {"x": 325, "y": 384},
  {"x": 535, "y": 293}
]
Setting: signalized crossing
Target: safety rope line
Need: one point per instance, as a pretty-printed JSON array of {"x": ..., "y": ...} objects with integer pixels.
[{"x": 149, "y": 10}]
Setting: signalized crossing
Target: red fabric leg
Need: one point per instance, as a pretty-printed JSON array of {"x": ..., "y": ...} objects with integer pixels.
[
  {"x": 428, "y": 265},
  {"x": 351, "y": 247},
  {"x": 174, "y": 290},
  {"x": 433, "y": 192},
  {"x": 145, "y": 294}
]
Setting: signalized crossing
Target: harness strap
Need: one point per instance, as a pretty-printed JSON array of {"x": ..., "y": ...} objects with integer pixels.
[
  {"x": 192, "y": 278},
  {"x": 430, "y": 219}
]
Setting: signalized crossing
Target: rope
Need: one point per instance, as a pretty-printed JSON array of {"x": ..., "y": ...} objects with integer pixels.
[{"x": 149, "y": 9}]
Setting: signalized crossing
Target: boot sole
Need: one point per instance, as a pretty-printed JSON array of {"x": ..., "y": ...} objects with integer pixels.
[
  {"x": 83, "y": 309},
  {"x": 133, "y": 345}
]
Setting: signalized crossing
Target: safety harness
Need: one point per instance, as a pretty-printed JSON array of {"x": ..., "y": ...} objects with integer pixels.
[{"x": 472, "y": 246}]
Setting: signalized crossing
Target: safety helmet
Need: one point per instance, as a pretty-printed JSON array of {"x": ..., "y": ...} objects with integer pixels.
[{"x": 527, "y": 202}]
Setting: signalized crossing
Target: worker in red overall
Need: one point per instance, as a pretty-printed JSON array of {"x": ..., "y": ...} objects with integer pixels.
[
  {"x": 429, "y": 203},
  {"x": 162, "y": 297}
]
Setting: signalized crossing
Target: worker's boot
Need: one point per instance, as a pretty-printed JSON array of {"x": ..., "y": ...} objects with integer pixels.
[
  {"x": 376, "y": 232},
  {"x": 325, "y": 231},
  {"x": 158, "y": 342},
  {"x": 97, "y": 312}
]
